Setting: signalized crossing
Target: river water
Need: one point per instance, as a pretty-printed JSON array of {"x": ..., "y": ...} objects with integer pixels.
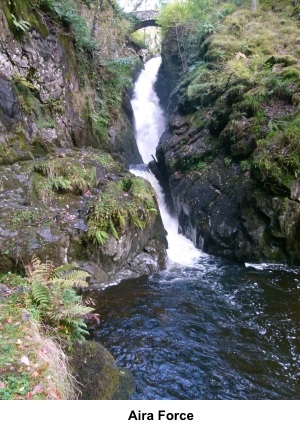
[{"x": 205, "y": 328}]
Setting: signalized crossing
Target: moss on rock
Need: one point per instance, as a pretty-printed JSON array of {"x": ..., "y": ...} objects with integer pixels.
[{"x": 95, "y": 368}]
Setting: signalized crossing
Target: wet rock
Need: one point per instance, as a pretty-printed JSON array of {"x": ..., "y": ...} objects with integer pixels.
[
  {"x": 295, "y": 190},
  {"x": 95, "y": 369},
  {"x": 9, "y": 107},
  {"x": 223, "y": 210},
  {"x": 52, "y": 224},
  {"x": 126, "y": 385}
]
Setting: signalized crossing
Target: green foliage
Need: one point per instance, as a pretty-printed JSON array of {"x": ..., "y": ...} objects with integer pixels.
[
  {"x": 33, "y": 364},
  {"x": 108, "y": 162},
  {"x": 194, "y": 163},
  {"x": 227, "y": 161},
  {"x": 68, "y": 13},
  {"x": 243, "y": 82},
  {"x": 124, "y": 202},
  {"x": 147, "y": 38},
  {"x": 53, "y": 301},
  {"x": 29, "y": 217},
  {"x": 63, "y": 175},
  {"x": 13, "y": 385},
  {"x": 99, "y": 49},
  {"x": 189, "y": 22},
  {"x": 20, "y": 25},
  {"x": 245, "y": 165},
  {"x": 21, "y": 18},
  {"x": 27, "y": 93},
  {"x": 117, "y": 76},
  {"x": 110, "y": 79},
  {"x": 277, "y": 159},
  {"x": 138, "y": 39},
  {"x": 172, "y": 13}
]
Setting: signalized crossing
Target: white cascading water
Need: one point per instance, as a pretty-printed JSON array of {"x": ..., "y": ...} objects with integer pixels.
[
  {"x": 149, "y": 117},
  {"x": 149, "y": 125}
]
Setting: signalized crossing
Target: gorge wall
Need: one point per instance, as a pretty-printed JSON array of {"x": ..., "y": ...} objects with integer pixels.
[
  {"x": 231, "y": 153},
  {"x": 66, "y": 141}
]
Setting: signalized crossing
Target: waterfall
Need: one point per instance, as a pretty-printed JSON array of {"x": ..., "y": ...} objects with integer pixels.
[
  {"x": 149, "y": 125},
  {"x": 150, "y": 120}
]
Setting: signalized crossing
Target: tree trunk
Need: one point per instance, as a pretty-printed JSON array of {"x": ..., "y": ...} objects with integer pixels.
[{"x": 254, "y": 5}]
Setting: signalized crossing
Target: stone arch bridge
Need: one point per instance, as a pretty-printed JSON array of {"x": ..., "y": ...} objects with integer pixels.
[{"x": 145, "y": 18}]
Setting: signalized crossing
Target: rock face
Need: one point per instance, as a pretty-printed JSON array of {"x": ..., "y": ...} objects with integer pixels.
[
  {"x": 95, "y": 369},
  {"x": 226, "y": 211},
  {"x": 230, "y": 154},
  {"x": 58, "y": 156},
  {"x": 40, "y": 216},
  {"x": 43, "y": 106}
]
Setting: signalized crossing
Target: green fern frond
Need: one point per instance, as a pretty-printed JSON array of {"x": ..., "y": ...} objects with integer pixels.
[
  {"x": 113, "y": 230},
  {"x": 21, "y": 25},
  {"x": 139, "y": 223},
  {"x": 40, "y": 294},
  {"x": 101, "y": 237},
  {"x": 69, "y": 314},
  {"x": 121, "y": 219},
  {"x": 69, "y": 283},
  {"x": 53, "y": 297},
  {"x": 77, "y": 275},
  {"x": 62, "y": 270}
]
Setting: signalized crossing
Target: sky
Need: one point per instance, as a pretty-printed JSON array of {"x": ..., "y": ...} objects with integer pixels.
[{"x": 128, "y": 5}]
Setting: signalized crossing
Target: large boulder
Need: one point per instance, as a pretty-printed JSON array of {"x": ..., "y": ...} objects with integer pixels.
[{"x": 96, "y": 371}]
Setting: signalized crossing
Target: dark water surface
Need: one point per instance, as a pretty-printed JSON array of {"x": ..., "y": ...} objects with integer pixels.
[{"x": 216, "y": 330}]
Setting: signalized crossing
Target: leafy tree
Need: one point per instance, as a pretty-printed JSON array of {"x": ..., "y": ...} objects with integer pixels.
[{"x": 188, "y": 21}]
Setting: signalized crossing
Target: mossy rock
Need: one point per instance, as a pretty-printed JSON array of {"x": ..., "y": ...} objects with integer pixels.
[
  {"x": 20, "y": 10},
  {"x": 205, "y": 46},
  {"x": 219, "y": 118},
  {"x": 243, "y": 148},
  {"x": 235, "y": 94},
  {"x": 95, "y": 368},
  {"x": 291, "y": 73},
  {"x": 286, "y": 60},
  {"x": 126, "y": 385},
  {"x": 215, "y": 54}
]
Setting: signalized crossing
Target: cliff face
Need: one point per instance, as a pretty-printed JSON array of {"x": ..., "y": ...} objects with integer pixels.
[
  {"x": 65, "y": 140},
  {"x": 231, "y": 151}
]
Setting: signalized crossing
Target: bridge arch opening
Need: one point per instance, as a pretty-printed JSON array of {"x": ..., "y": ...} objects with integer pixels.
[
  {"x": 146, "y": 32},
  {"x": 148, "y": 39}
]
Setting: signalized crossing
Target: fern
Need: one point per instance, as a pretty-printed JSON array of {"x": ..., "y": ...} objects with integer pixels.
[
  {"x": 71, "y": 280},
  {"x": 62, "y": 270},
  {"x": 40, "y": 294},
  {"x": 139, "y": 223},
  {"x": 38, "y": 271},
  {"x": 20, "y": 25},
  {"x": 55, "y": 301},
  {"x": 121, "y": 219},
  {"x": 113, "y": 230},
  {"x": 101, "y": 236}
]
